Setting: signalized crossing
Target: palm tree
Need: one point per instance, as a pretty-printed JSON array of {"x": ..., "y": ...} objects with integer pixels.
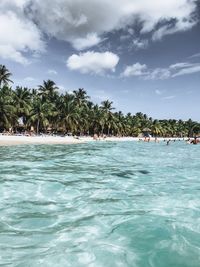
[
  {"x": 48, "y": 90},
  {"x": 4, "y": 76},
  {"x": 7, "y": 109},
  {"x": 196, "y": 129},
  {"x": 80, "y": 96},
  {"x": 69, "y": 116},
  {"x": 119, "y": 123},
  {"x": 193, "y": 128},
  {"x": 39, "y": 114},
  {"x": 95, "y": 119},
  {"x": 156, "y": 128},
  {"x": 45, "y": 108},
  {"x": 191, "y": 125},
  {"x": 22, "y": 102},
  {"x": 106, "y": 107},
  {"x": 181, "y": 128}
]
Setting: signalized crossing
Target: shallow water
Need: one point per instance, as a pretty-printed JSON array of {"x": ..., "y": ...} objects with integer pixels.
[{"x": 100, "y": 205}]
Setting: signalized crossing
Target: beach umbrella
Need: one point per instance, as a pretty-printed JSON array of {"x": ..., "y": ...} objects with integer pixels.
[{"x": 146, "y": 130}]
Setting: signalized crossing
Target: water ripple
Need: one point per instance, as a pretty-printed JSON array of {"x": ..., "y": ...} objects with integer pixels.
[{"x": 100, "y": 204}]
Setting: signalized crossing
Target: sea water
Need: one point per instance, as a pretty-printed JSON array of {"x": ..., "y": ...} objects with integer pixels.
[{"x": 101, "y": 204}]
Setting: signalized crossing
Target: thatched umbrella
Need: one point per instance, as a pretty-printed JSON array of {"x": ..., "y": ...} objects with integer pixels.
[{"x": 146, "y": 131}]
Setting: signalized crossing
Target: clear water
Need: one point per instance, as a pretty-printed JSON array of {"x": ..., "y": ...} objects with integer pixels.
[{"x": 100, "y": 205}]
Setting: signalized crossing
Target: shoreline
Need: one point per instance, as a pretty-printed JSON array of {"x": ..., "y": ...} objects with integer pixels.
[{"x": 9, "y": 140}]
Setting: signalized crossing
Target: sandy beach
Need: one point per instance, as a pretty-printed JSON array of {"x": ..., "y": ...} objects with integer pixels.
[{"x": 22, "y": 140}]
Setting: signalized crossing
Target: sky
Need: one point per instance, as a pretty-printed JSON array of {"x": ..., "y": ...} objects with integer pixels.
[{"x": 144, "y": 55}]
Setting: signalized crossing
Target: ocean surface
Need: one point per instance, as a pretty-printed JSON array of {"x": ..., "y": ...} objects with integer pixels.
[{"x": 102, "y": 204}]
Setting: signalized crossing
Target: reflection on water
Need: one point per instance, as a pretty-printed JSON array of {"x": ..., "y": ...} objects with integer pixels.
[{"x": 100, "y": 204}]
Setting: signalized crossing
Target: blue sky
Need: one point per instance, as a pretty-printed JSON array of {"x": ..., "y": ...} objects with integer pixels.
[{"x": 144, "y": 55}]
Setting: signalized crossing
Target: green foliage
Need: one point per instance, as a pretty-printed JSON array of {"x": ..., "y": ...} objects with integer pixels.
[
  {"x": 4, "y": 75},
  {"x": 46, "y": 110}
]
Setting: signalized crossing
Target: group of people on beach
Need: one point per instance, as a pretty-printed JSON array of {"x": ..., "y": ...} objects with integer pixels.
[
  {"x": 148, "y": 139},
  {"x": 193, "y": 141},
  {"x": 99, "y": 137}
]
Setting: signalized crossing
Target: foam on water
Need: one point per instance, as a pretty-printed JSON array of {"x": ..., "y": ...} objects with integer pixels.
[{"x": 100, "y": 204}]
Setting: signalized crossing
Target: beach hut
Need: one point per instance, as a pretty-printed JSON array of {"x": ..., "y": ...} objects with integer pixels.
[{"x": 146, "y": 132}]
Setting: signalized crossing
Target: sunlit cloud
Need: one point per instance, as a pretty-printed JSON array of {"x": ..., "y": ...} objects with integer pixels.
[{"x": 93, "y": 62}]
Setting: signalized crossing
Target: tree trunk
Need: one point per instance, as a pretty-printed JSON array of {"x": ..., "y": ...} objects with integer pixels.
[
  {"x": 38, "y": 124},
  {"x": 108, "y": 131},
  {"x": 102, "y": 129}
]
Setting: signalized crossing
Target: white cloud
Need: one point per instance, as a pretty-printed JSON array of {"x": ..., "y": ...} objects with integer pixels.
[
  {"x": 195, "y": 55},
  {"x": 174, "y": 70},
  {"x": 181, "y": 65},
  {"x": 187, "y": 70},
  {"x": 93, "y": 62},
  {"x": 130, "y": 31},
  {"x": 125, "y": 37},
  {"x": 158, "y": 74},
  {"x": 18, "y": 34},
  {"x": 143, "y": 71},
  {"x": 54, "y": 72},
  {"x": 101, "y": 95},
  {"x": 75, "y": 20},
  {"x": 62, "y": 88},
  {"x": 169, "y": 97},
  {"x": 85, "y": 23},
  {"x": 136, "y": 69},
  {"x": 180, "y": 25},
  {"x": 140, "y": 44},
  {"x": 184, "y": 68},
  {"x": 91, "y": 39},
  {"x": 70, "y": 21},
  {"x": 29, "y": 79},
  {"x": 10, "y": 52}
]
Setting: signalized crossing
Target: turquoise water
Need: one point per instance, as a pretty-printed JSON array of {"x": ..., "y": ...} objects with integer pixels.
[{"x": 100, "y": 205}]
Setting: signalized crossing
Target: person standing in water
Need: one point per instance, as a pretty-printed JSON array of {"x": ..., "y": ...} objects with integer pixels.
[
  {"x": 195, "y": 141},
  {"x": 168, "y": 142}
]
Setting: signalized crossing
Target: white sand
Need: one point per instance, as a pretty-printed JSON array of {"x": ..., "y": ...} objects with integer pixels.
[{"x": 19, "y": 140}]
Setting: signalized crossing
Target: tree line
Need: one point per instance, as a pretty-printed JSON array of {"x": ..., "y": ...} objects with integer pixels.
[{"x": 45, "y": 110}]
